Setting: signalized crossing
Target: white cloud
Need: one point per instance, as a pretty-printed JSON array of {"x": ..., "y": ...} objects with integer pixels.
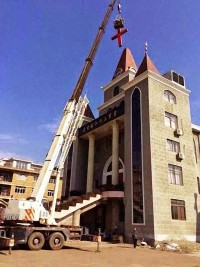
[
  {"x": 7, "y": 154},
  {"x": 51, "y": 127},
  {"x": 12, "y": 138}
]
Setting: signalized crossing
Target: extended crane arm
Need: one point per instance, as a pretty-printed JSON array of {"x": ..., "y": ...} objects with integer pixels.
[
  {"x": 68, "y": 116},
  {"x": 89, "y": 60}
]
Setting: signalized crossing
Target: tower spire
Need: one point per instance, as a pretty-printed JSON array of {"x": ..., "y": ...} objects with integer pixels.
[
  {"x": 126, "y": 61},
  {"x": 147, "y": 63}
]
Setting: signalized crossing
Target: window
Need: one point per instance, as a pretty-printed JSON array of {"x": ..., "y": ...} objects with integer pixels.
[
  {"x": 198, "y": 184},
  {"x": 195, "y": 150},
  {"x": 5, "y": 190},
  {"x": 178, "y": 78},
  {"x": 178, "y": 209},
  {"x": 20, "y": 190},
  {"x": 110, "y": 167},
  {"x": 52, "y": 181},
  {"x": 21, "y": 165},
  {"x": 175, "y": 174},
  {"x": 50, "y": 193},
  {"x": 21, "y": 177},
  {"x": 172, "y": 146},
  {"x": 35, "y": 178},
  {"x": 171, "y": 120},
  {"x": 116, "y": 91},
  {"x": 137, "y": 175},
  {"x": 5, "y": 177},
  {"x": 170, "y": 97}
]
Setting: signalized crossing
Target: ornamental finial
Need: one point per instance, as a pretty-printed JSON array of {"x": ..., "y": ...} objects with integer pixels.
[{"x": 146, "y": 47}]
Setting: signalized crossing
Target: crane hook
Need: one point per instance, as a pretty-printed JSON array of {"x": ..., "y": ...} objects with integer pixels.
[
  {"x": 119, "y": 26},
  {"x": 119, "y": 8},
  {"x": 119, "y": 20}
]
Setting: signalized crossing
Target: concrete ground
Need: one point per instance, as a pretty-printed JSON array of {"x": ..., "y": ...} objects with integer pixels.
[{"x": 83, "y": 254}]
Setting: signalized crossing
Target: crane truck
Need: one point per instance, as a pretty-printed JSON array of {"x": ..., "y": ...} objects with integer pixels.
[{"x": 29, "y": 221}]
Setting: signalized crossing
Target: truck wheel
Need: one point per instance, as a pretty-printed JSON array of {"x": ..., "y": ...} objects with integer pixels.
[
  {"x": 56, "y": 241},
  {"x": 36, "y": 241}
]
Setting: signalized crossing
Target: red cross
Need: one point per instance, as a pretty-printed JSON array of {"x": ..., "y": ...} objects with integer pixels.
[{"x": 118, "y": 36}]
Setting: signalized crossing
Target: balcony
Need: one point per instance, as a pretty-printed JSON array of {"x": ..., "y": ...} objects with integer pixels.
[
  {"x": 36, "y": 169},
  {"x": 5, "y": 193},
  {"x": 111, "y": 187},
  {"x": 9, "y": 164},
  {"x": 5, "y": 180},
  {"x": 112, "y": 191}
]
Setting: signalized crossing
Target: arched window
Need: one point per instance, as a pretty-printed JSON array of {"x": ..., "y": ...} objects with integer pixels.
[
  {"x": 107, "y": 172},
  {"x": 116, "y": 91},
  {"x": 170, "y": 97}
]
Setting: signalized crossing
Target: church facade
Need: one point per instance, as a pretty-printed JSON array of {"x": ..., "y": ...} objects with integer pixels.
[{"x": 143, "y": 153}]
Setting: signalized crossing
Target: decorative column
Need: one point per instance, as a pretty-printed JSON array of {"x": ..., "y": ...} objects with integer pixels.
[
  {"x": 115, "y": 153},
  {"x": 90, "y": 169},
  {"x": 76, "y": 218}
]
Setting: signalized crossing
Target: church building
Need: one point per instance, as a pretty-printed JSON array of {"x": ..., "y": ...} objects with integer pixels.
[{"x": 142, "y": 154}]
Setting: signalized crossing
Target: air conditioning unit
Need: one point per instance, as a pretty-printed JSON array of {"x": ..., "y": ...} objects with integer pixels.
[
  {"x": 178, "y": 132},
  {"x": 180, "y": 155}
]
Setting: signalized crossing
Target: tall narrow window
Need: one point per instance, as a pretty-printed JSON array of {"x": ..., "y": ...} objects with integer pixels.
[
  {"x": 175, "y": 174},
  {"x": 169, "y": 96},
  {"x": 171, "y": 120},
  {"x": 198, "y": 184},
  {"x": 178, "y": 209},
  {"x": 116, "y": 91},
  {"x": 195, "y": 151},
  {"x": 172, "y": 145},
  {"x": 137, "y": 181}
]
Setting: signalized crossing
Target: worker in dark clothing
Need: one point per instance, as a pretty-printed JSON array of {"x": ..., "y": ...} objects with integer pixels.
[
  {"x": 134, "y": 237},
  {"x": 115, "y": 230}
]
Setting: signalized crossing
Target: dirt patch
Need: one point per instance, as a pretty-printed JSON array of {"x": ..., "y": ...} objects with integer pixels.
[{"x": 83, "y": 254}]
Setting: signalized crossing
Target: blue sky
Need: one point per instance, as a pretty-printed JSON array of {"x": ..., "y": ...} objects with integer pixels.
[{"x": 44, "y": 43}]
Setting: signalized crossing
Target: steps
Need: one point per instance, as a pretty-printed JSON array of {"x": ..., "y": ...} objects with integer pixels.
[{"x": 65, "y": 210}]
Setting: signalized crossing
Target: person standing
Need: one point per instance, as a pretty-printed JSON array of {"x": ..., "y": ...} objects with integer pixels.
[{"x": 134, "y": 237}]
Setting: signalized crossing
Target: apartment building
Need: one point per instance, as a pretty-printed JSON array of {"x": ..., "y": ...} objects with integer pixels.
[{"x": 18, "y": 178}]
